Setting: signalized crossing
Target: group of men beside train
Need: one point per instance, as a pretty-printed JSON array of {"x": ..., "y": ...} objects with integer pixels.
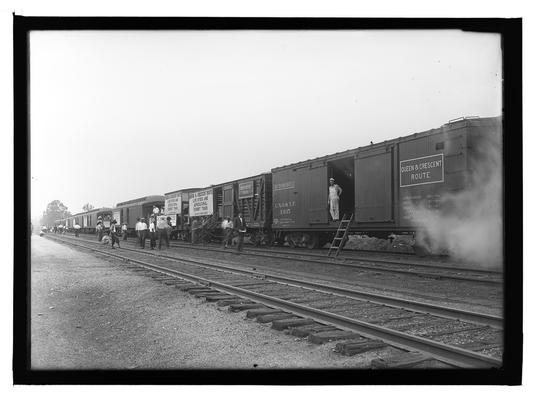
[
  {"x": 162, "y": 228},
  {"x": 230, "y": 227},
  {"x": 155, "y": 230}
]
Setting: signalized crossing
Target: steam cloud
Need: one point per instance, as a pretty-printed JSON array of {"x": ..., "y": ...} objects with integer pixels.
[{"x": 468, "y": 225}]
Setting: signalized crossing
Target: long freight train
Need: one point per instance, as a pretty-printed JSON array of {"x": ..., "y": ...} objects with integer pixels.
[{"x": 386, "y": 187}]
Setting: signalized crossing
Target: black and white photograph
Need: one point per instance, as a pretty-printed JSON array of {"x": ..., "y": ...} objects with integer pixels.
[{"x": 226, "y": 195}]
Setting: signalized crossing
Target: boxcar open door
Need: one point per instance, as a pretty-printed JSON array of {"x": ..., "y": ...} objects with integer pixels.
[{"x": 317, "y": 196}]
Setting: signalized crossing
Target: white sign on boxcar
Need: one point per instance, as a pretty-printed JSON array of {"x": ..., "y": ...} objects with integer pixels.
[
  {"x": 117, "y": 216},
  {"x": 173, "y": 204},
  {"x": 201, "y": 203}
]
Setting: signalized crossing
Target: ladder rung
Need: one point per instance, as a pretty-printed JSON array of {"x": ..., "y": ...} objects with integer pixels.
[
  {"x": 346, "y": 220},
  {"x": 334, "y": 247}
]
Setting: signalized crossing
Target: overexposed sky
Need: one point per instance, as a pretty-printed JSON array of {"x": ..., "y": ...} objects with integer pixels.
[{"x": 124, "y": 114}]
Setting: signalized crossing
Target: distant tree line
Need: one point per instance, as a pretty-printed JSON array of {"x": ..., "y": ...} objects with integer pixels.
[
  {"x": 54, "y": 210},
  {"x": 57, "y": 210},
  {"x": 87, "y": 207}
]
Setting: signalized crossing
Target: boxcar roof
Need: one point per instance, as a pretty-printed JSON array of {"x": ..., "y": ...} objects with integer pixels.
[
  {"x": 183, "y": 191},
  {"x": 142, "y": 200},
  {"x": 237, "y": 180},
  {"x": 452, "y": 124},
  {"x": 93, "y": 210}
]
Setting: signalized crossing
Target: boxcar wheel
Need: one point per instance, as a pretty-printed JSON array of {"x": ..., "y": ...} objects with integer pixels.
[
  {"x": 256, "y": 239},
  {"x": 312, "y": 242}
]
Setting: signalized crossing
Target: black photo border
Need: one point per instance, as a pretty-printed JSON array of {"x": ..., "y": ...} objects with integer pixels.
[{"x": 511, "y": 371}]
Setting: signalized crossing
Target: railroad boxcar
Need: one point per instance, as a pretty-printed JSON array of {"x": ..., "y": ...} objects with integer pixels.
[
  {"x": 70, "y": 222},
  {"x": 129, "y": 211},
  {"x": 89, "y": 219},
  {"x": 382, "y": 183},
  {"x": 177, "y": 208},
  {"x": 77, "y": 219},
  {"x": 60, "y": 222},
  {"x": 251, "y": 196}
]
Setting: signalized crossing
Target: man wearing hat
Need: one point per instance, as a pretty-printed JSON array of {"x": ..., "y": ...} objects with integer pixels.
[
  {"x": 114, "y": 235},
  {"x": 142, "y": 233},
  {"x": 334, "y": 199},
  {"x": 163, "y": 235}
]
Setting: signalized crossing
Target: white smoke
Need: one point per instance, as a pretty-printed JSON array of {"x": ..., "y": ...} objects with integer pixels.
[{"x": 468, "y": 225}]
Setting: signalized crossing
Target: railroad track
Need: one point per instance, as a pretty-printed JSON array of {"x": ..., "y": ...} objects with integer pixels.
[
  {"x": 403, "y": 267},
  {"x": 455, "y": 341}
]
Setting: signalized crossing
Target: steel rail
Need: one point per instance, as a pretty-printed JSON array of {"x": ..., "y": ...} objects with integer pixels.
[
  {"x": 286, "y": 255},
  {"x": 442, "y": 352},
  {"x": 397, "y": 302},
  {"x": 409, "y": 305},
  {"x": 366, "y": 267}
]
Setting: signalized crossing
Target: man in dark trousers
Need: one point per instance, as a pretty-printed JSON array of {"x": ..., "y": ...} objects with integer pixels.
[
  {"x": 241, "y": 227},
  {"x": 163, "y": 231},
  {"x": 142, "y": 233}
]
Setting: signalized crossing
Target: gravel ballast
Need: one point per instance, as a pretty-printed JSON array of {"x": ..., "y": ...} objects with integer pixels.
[{"x": 88, "y": 312}]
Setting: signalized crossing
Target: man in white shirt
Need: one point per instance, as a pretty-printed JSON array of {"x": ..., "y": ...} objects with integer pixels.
[
  {"x": 124, "y": 231},
  {"x": 335, "y": 192},
  {"x": 227, "y": 227},
  {"x": 142, "y": 233},
  {"x": 138, "y": 231},
  {"x": 152, "y": 234},
  {"x": 163, "y": 231}
]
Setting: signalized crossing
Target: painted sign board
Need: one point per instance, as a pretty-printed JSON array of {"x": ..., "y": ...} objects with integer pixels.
[
  {"x": 117, "y": 216},
  {"x": 245, "y": 190},
  {"x": 421, "y": 170},
  {"x": 173, "y": 204},
  {"x": 201, "y": 203},
  {"x": 284, "y": 186}
]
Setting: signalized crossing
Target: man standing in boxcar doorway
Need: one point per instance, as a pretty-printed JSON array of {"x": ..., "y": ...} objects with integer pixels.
[{"x": 335, "y": 192}]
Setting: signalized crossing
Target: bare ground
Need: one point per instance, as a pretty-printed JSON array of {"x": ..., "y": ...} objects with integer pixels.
[{"x": 91, "y": 313}]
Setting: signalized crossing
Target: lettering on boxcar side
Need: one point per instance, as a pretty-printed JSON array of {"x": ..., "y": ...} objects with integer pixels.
[
  {"x": 172, "y": 204},
  {"x": 284, "y": 186},
  {"x": 283, "y": 213},
  {"x": 422, "y": 170},
  {"x": 245, "y": 190},
  {"x": 201, "y": 203}
]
